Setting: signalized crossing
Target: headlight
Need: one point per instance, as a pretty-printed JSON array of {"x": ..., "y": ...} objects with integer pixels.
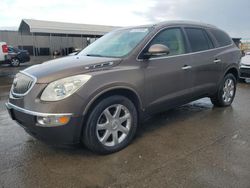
[{"x": 63, "y": 88}]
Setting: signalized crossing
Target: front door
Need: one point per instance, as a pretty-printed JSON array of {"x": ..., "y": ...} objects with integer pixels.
[{"x": 168, "y": 79}]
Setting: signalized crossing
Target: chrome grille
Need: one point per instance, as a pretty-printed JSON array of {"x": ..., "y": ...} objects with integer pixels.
[{"x": 22, "y": 84}]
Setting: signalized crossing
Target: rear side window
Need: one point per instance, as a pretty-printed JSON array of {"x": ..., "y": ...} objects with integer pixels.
[
  {"x": 222, "y": 38},
  {"x": 199, "y": 40},
  {"x": 173, "y": 39}
]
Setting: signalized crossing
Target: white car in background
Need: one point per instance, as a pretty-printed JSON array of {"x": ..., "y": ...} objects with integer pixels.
[
  {"x": 245, "y": 67},
  {"x": 3, "y": 52}
]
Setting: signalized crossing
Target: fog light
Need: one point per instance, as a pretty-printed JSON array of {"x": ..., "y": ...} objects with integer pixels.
[{"x": 52, "y": 121}]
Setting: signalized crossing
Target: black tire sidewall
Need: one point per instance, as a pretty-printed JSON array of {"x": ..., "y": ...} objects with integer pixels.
[{"x": 89, "y": 135}]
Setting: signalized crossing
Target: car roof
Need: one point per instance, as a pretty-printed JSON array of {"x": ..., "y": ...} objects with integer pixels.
[
  {"x": 186, "y": 23},
  {"x": 175, "y": 23}
]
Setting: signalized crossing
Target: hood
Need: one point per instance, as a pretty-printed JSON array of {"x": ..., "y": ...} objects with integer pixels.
[
  {"x": 245, "y": 60},
  {"x": 69, "y": 66}
]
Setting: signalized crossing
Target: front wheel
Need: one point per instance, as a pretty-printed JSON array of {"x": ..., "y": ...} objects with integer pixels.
[
  {"x": 111, "y": 125},
  {"x": 226, "y": 92},
  {"x": 14, "y": 62}
]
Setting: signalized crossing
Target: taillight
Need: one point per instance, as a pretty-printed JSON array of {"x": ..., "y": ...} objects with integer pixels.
[{"x": 5, "y": 48}]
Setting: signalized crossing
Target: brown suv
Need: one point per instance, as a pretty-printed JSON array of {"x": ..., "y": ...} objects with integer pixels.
[{"x": 99, "y": 96}]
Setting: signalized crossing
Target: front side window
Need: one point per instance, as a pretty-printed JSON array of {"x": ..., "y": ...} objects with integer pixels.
[
  {"x": 173, "y": 39},
  {"x": 116, "y": 44},
  {"x": 222, "y": 38},
  {"x": 198, "y": 39}
]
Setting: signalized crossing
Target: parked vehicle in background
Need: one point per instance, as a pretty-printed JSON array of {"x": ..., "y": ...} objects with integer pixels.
[
  {"x": 18, "y": 56},
  {"x": 3, "y": 52},
  {"x": 99, "y": 96},
  {"x": 245, "y": 67}
]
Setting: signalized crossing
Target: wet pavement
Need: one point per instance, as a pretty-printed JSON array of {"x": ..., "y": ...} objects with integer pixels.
[{"x": 195, "y": 145}]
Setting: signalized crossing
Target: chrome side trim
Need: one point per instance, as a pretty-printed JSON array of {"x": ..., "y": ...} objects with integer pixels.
[
  {"x": 33, "y": 113},
  {"x": 190, "y": 53},
  {"x": 34, "y": 82}
]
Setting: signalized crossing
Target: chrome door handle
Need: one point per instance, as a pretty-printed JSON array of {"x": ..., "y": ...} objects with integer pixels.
[
  {"x": 186, "y": 67},
  {"x": 217, "y": 60}
]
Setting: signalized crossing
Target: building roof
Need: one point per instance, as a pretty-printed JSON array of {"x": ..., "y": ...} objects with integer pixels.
[{"x": 39, "y": 26}]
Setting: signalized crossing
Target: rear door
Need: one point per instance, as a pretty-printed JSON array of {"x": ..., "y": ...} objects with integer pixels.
[
  {"x": 167, "y": 78},
  {"x": 205, "y": 66}
]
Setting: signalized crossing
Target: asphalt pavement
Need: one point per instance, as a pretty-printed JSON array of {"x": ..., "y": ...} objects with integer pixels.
[{"x": 195, "y": 145}]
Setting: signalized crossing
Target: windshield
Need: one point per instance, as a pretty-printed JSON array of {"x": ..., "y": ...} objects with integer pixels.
[{"x": 117, "y": 43}]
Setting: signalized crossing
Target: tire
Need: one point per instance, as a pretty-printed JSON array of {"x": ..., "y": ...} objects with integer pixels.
[
  {"x": 226, "y": 92},
  {"x": 15, "y": 62},
  {"x": 104, "y": 125}
]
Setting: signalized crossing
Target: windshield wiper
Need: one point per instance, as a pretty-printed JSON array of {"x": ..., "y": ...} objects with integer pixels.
[{"x": 95, "y": 55}]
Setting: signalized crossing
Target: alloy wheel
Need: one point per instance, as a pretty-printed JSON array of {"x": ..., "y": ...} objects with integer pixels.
[
  {"x": 15, "y": 62},
  {"x": 113, "y": 125},
  {"x": 228, "y": 90}
]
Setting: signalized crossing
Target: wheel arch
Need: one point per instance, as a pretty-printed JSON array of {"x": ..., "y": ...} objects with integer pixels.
[
  {"x": 234, "y": 71},
  {"x": 16, "y": 57},
  {"x": 123, "y": 91}
]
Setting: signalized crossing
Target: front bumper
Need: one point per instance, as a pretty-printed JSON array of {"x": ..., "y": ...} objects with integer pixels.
[
  {"x": 244, "y": 71},
  {"x": 69, "y": 133}
]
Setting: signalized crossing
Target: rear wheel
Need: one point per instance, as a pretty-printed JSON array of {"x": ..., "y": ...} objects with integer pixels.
[
  {"x": 111, "y": 125},
  {"x": 14, "y": 62},
  {"x": 226, "y": 92}
]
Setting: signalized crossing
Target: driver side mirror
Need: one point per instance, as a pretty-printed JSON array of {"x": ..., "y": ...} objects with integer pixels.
[{"x": 157, "y": 50}]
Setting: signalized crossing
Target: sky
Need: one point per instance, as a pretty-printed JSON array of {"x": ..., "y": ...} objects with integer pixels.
[{"x": 230, "y": 15}]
